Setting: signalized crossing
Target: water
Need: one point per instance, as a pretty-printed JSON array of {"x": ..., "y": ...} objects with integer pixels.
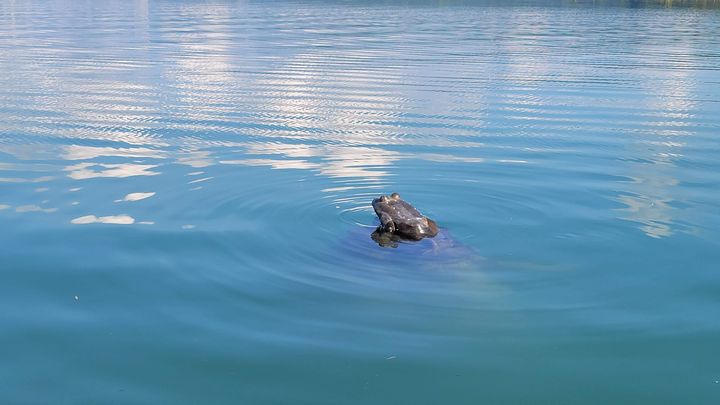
[{"x": 185, "y": 197}]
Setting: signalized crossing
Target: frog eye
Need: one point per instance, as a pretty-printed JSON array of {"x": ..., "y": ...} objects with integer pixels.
[
  {"x": 395, "y": 196},
  {"x": 384, "y": 198}
]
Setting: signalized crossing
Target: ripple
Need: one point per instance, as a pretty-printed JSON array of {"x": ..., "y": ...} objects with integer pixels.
[{"x": 362, "y": 215}]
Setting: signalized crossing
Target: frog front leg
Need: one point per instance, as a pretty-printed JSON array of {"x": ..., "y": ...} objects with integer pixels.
[{"x": 387, "y": 222}]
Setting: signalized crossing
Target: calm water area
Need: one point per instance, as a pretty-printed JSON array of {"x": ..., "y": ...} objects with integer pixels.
[{"x": 185, "y": 193}]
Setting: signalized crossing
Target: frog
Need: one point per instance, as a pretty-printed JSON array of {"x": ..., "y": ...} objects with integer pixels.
[{"x": 399, "y": 220}]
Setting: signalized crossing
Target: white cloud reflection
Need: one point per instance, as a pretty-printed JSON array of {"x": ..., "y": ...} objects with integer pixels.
[
  {"x": 34, "y": 208},
  {"x": 25, "y": 180},
  {"x": 200, "y": 180},
  {"x": 196, "y": 158},
  {"x": 112, "y": 219},
  {"x": 336, "y": 161},
  {"x": 77, "y": 152},
  {"x": 652, "y": 193},
  {"x": 136, "y": 197},
  {"x": 274, "y": 163},
  {"x": 87, "y": 170}
]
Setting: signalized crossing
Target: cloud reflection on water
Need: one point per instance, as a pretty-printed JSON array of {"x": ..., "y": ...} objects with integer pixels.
[
  {"x": 77, "y": 152},
  {"x": 660, "y": 145},
  {"x": 111, "y": 219},
  {"x": 136, "y": 197},
  {"x": 83, "y": 171},
  {"x": 34, "y": 208}
]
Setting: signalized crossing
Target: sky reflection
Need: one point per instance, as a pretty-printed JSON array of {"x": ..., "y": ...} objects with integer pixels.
[
  {"x": 168, "y": 94},
  {"x": 653, "y": 192}
]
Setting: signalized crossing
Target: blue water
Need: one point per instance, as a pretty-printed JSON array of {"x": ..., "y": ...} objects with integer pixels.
[{"x": 185, "y": 193}]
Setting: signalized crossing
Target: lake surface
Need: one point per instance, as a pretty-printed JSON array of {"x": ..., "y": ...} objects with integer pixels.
[{"x": 185, "y": 195}]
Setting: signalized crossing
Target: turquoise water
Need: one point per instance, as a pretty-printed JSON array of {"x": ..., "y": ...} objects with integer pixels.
[{"x": 185, "y": 197}]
